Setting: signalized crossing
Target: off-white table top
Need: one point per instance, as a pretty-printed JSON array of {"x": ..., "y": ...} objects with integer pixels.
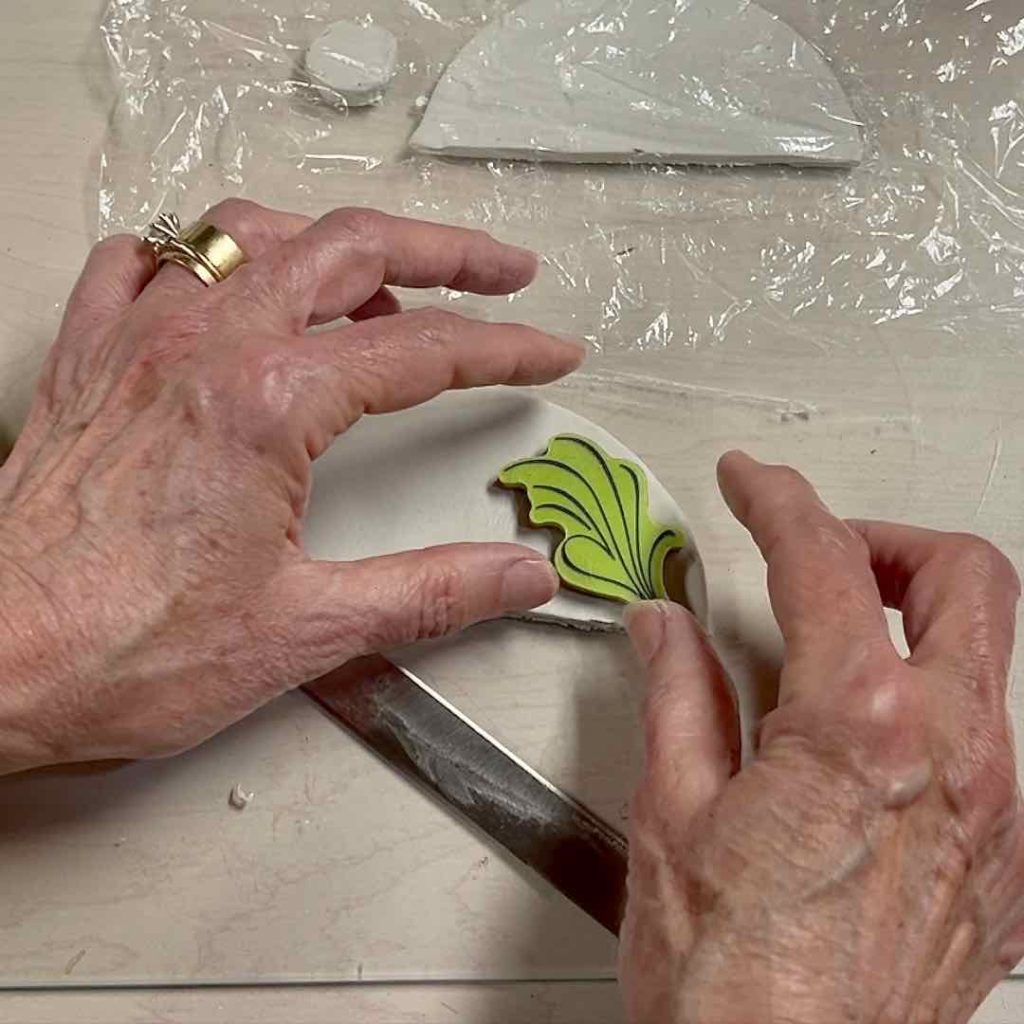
[{"x": 338, "y": 870}]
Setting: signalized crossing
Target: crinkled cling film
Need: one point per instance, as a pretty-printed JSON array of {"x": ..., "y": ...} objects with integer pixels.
[{"x": 212, "y": 102}]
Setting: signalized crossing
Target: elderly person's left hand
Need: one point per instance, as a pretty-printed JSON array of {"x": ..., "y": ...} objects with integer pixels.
[
  {"x": 153, "y": 584},
  {"x": 867, "y": 864}
]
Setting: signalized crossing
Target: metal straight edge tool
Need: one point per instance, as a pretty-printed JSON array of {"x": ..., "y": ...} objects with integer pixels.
[{"x": 428, "y": 740}]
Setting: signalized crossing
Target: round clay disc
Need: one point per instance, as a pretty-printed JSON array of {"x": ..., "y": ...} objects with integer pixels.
[
  {"x": 427, "y": 476},
  {"x": 353, "y": 64}
]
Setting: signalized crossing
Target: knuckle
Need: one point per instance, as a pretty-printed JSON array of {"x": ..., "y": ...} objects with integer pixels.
[
  {"x": 442, "y": 602},
  {"x": 364, "y": 223},
  {"x": 117, "y": 245},
  {"x": 175, "y": 331},
  {"x": 237, "y": 208},
  {"x": 788, "y": 480},
  {"x": 259, "y": 292},
  {"x": 983, "y": 559},
  {"x": 802, "y": 533},
  {"x": 434, "y": 324},
  {"x": 266, "y": 382},
  {"x": 480, "y": 237},
  {"x": 846, "y": 542},
  {"x": 784, "y": 494},
  {"x": 886, "y": 708},
  {"x": 240, "y": 217},
  {"x": 980, "y": 780},
  {"x": 829, "y": 535},
  {"x": 878, "y": 728}
]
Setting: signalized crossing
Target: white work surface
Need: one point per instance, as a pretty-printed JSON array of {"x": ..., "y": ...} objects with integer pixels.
[{"x": 338, "y": 871}]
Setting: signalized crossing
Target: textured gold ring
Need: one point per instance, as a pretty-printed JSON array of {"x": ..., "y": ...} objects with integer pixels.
[{"x": 211, "y": 254}]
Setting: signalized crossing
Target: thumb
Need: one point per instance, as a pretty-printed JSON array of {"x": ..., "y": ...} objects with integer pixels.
[
  {"x": 347, "y": 609},
  {"x": 691, "y": 719}
]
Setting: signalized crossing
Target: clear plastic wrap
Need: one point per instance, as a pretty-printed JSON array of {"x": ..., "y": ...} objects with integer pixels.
[
  {"x": 929, "y": 226},
  {"x": 864, "y": 324}
]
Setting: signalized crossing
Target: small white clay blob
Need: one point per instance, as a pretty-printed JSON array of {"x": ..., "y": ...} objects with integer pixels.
[
  {"x": 239, "y": 799},
  {"x": 353, "y": 64}
]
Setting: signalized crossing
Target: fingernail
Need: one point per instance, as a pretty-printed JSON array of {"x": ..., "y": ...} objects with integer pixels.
[
  {"x": 525, "y": 254},
  {"x": 581, "y": 346},
  {"x": 737, "y": 453},
  {"x": 529, "y": 583},
  {"x": 646, "y": 625}
]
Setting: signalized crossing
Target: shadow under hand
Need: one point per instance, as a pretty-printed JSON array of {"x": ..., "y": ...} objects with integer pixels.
[
  {"x": 753, "y": 659},
  {"x": 45, "y": 801},
  {"x": 6, "y": 445}
]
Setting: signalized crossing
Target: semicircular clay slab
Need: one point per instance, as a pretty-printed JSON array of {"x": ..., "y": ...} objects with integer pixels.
[
  {"x": 602, "y": 81},
  {"x": 428, "y": 476}
]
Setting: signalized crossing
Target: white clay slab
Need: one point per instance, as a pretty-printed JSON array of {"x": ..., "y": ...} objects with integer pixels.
[
  {"x": 353, "y": 64},
  {"x": 614, "y": 81},
  {"x": 426, "y": 476}
]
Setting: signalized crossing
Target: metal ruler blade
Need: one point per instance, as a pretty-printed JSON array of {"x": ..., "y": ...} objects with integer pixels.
[{"x": 416, "y": 731}]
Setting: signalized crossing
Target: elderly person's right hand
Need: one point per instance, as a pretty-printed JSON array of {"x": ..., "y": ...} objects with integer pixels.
[
  {"x": 153, "y": 584},
  {"x": 867, "y": 865}
]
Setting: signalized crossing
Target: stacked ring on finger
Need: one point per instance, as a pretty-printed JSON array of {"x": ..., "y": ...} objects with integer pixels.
[{"x": 209, "y": 253}]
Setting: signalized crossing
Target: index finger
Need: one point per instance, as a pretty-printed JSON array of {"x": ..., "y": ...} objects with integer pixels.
[
  {"x": 349, "y": 254},
  {"x": 820, "y": 581},
  {"x": 420, "y": 254}
]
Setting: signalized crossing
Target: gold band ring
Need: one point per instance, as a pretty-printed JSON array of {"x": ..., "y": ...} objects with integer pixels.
[{"x": 211, "y": 254}]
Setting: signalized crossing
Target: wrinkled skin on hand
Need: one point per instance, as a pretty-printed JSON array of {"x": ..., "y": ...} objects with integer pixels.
[
  {"x": 153, "y": 585},
  {"x": 868, "y": 864}
]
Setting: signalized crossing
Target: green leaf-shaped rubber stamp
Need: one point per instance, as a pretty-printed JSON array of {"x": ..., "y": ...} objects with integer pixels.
[{"x": 611, "y": 548}]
